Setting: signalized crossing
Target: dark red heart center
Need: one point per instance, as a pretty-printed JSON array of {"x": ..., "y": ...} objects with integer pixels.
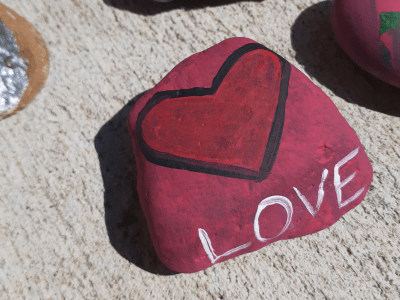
[{"x": 227, "y": 129}]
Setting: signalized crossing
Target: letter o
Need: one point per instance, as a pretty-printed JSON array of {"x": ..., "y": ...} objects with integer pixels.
[{"x": 287, "y": 205}]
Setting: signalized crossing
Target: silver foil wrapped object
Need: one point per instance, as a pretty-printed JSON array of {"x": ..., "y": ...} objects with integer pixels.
[{"x": 13, "y": 68}]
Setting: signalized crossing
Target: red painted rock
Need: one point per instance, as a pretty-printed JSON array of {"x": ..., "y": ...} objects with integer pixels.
[
  {"x": 236, "y": 149},
  {"x": 369, "y": 32}
]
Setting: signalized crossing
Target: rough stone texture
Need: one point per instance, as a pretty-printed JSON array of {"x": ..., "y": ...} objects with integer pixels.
[{"x": 71, "y": 226}]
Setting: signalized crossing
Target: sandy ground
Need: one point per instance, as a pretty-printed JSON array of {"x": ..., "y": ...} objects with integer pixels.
[{"x": 71, "y": 226}]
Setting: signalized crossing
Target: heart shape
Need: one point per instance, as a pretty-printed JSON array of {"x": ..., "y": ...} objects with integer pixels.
[{"x": 232, "y": 129}]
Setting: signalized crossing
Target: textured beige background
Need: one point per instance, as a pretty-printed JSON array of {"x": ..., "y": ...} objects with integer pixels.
[{"x": 71, "y": 226}]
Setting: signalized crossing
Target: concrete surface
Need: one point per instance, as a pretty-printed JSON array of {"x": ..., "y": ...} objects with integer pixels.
[{"x": 71, "y": 226}]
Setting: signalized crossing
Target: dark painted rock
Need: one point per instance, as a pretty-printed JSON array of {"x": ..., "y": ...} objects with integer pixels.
[
  {"x": 236, "y": 149},
  {"x": 369, "y": 32}
]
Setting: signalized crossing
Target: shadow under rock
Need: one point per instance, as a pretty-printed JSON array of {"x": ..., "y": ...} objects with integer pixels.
[
  {"x": 150, "y": 7},
  {"x": 125, "y": 222},
  {"x": 316, "y": 49}
]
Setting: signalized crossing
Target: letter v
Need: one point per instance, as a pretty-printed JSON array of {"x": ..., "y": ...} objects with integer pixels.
[
  {"x": 205, "y": 240},
  {"x": 309, "y": 207}
]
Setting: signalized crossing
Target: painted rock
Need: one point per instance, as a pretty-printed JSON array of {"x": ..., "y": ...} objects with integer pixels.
[
  {"x": 369, "y": 32},
  {"x": 236, "y": 149},
  {"x": 24, "y": 62}
]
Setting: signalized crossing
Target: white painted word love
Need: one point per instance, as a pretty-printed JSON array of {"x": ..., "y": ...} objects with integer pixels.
[{"x": 287, "y": 205}]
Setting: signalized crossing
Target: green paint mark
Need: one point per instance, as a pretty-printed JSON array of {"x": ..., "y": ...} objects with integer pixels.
[{"x": 389, "y": 21}]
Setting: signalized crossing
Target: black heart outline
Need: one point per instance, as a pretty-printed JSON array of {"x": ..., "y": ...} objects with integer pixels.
[{"x": 176, "y": 162}]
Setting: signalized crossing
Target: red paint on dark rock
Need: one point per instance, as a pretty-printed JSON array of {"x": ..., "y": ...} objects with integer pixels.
[
  {"x": 357, "y": 29},
  {"x": 181, "y": 205}
]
